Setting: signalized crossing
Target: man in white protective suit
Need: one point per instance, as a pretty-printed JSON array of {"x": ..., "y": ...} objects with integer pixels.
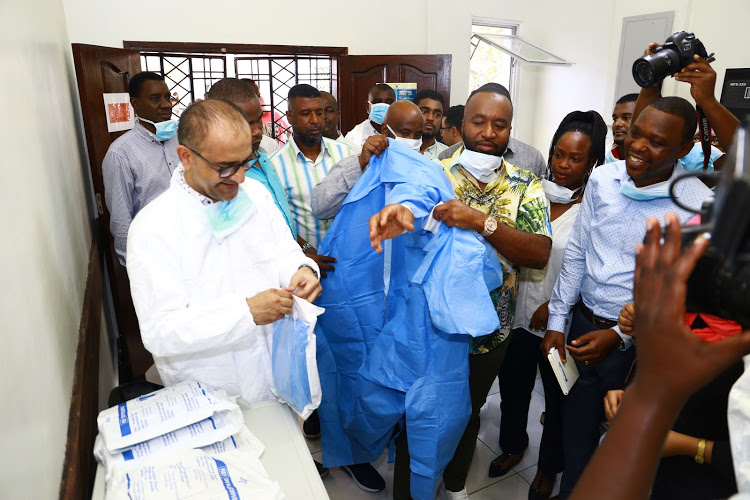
[{"x": 212, "y": 264}]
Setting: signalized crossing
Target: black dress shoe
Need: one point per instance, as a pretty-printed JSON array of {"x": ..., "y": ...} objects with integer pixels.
[{"x": 498, "y": 467}]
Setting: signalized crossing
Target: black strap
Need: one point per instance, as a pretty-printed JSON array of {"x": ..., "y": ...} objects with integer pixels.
[{"x": 705, "y": 132}]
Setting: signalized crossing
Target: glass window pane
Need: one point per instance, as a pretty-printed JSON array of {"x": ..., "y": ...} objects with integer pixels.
[{"x": 520, "y": 48}]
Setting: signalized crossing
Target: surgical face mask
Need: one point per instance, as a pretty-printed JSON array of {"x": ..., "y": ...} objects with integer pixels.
[
  {"x": 377, "y": 112},
  {"x": 652, "y": 192},
  {"x": 226, "y": 217},
  {"x": 415, "y": 144},
  {"x": 560, "y": 194},
  {"x": 483, "y": 167},
  {"x": 164, "y": 130}
]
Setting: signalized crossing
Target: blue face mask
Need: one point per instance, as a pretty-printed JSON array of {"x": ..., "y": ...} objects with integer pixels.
[
  {"x": 652, "y": 192},
  {"x": 226, "y": 217},
  {"x": 377, "y": 112},
  {"x": 164, "y": 130}
]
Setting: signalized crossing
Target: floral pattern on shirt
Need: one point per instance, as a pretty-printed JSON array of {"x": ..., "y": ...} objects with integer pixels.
[{"x": 515, "y": 198}]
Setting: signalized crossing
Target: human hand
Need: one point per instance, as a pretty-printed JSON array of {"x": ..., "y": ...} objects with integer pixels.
[
  {"x": 702, "y": 79},
  {"x": 305, "y": 284},
  {"x": 270, "y": 305},
  {"x": 612, "y": 402},
  {"x": 554, "y": 339},
  {"x": 594, "y": 347},
  {"x": 374, "y": 145},
  {"x": 455, "y": 213},
  {"x": 540, "y": 317},
  {"x": 650, "y": 49},
  {"x": 323, "y": 261},
  {"x": 389, "y": 223},
  {"x": 672, "y": 361},
  {"x": 626, "y": 319}
]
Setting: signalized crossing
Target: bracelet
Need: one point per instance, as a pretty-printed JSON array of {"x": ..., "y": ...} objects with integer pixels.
[
  {"x": 310, "y": 268},
  {"x": 700, "y": 456},
  {"x": 306, "y": 247}
]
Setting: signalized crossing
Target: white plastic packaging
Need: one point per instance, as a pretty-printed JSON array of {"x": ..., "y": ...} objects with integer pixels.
[
  {"x": 194, "y": 474},
  {"x": 296, "y": 381},
  {"x": 215, "y": 429},
  {"x": 160, "y": 413}
]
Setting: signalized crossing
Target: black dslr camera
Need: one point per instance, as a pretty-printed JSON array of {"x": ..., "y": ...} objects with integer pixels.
[
  {"x": 668, "y": 58},
  {"x": 720, "y": 283}
]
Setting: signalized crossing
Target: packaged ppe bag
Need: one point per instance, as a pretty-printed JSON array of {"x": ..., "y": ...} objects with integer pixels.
[
  {"x": 244, "y": 441},
  {"x": 293, "y": 359},
  {"x": 213, "y": 430},
  {"x": 160, "y": 413},
  {"x": 194, "y": 474}
]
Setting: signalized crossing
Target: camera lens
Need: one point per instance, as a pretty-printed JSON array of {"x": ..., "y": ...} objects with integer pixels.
[
  {"x": 643, "y": 73},
  {"x": 650, "y": 70}
]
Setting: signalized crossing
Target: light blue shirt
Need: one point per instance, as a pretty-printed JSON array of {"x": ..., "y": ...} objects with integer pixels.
[
  {"x": 136, "y": 169},
  {"x": 264, "y": 173},
  {"x": 599, "y": 261}
]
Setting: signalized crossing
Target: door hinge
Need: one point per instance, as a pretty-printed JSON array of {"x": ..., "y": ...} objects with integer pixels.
[{"x": 99, "y": 204}]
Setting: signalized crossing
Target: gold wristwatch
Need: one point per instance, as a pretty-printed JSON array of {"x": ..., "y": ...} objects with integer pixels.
[{"x": 490, "y": 225}]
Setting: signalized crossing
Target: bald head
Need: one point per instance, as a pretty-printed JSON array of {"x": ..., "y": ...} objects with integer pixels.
[{"x": 405, "y": 118}]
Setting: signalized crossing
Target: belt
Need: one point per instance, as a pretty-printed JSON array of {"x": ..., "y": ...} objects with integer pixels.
[{"x": 598, "y": 322}]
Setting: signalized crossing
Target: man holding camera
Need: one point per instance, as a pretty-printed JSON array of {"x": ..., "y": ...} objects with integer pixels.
[
  {"x": 702, "y": 79},
  {"x": 596, "y": 279}
]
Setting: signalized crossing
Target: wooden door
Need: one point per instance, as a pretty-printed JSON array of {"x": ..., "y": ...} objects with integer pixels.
[
  {"x": 102, "y": 70},
  {"x": 357, "y": 74}
]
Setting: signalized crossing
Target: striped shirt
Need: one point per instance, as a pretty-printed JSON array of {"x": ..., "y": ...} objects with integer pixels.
[
  {"x": 264, "y": 173},
  {"x": 299, "y": 175},
  {"x": 136, "y": 169}
]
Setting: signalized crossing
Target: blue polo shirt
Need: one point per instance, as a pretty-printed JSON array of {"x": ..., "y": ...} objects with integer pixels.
[{"x": 264, "y": 173}]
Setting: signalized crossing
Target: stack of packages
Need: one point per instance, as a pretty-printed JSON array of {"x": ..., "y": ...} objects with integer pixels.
[{"x": 187, "y": 440}]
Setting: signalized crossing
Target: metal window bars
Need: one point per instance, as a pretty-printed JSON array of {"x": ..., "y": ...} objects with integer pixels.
[{"x": 189, "y": 76}]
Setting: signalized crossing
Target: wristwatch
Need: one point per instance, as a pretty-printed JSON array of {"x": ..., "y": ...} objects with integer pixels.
[
  {"x": 490, "y": 225},
  {"x": 310, "y": 268},
  {"x": 306, "y": 247}
]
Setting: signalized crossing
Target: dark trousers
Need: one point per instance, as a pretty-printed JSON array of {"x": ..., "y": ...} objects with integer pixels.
[
  {"x": 517, "y": 377},
  {"x": 483, "y": 369},
  {"x": 584, "y": 406}
]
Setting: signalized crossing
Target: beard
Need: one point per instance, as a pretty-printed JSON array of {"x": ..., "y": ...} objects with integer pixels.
[
  {"x": 472, "y": 146},
  {"x": 309, "y": 140}
]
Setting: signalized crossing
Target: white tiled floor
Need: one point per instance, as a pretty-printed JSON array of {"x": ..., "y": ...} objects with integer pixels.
[{"x": 512, "y": 486}]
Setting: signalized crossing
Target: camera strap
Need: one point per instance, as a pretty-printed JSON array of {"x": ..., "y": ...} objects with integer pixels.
[{"x": 705, "y": 132}]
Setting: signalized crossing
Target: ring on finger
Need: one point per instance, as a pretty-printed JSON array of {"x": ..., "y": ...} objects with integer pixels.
[{"x": 586, "y": 363}]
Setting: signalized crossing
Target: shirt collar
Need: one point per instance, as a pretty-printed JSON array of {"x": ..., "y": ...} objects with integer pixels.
[
  {"x": 297, "y": 153},
  {"x": 143, "y": 132},
  {"x": 179, "y": 177},
  {"x": 676, "y": 170}
]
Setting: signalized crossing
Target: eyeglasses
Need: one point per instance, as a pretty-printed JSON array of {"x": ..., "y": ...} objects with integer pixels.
[{"x": 229, "y": 171}]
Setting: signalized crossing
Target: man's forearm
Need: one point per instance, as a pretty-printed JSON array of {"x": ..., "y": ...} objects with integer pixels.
[
  {"x": 722, "y": 121},
  {"x": 521, "y": 248}
]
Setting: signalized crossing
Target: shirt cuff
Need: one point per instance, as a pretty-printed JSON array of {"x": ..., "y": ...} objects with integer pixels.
[
  {"x": 627, "y": 340},
  {"x": 557, "y": 323},
  {"x": 430, "y": 224}
]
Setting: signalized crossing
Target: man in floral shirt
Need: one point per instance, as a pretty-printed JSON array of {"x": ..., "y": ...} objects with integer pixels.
[{"x": 507, "y": 206}]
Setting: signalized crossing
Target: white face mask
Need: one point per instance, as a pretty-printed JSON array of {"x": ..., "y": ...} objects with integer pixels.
[
  {"x": 415, "y": 144},
  {"x": 483, "y": 167},
  {"x": 559, "y": 194}
]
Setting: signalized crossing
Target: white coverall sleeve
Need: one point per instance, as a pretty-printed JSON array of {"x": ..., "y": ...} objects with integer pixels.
[{"x": 170, "y": 325}]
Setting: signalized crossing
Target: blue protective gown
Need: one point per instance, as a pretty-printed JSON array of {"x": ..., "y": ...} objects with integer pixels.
[{"x": 393, "y": 343}]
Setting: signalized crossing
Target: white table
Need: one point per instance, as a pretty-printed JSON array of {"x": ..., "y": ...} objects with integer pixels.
[{"x": 286, "y": 457}]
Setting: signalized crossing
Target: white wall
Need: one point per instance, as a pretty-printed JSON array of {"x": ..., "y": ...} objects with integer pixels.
[
  {"x": 584, "y": 31},
  {"x": 44, "y": 248},
  {"x": 385, "y": 27}
]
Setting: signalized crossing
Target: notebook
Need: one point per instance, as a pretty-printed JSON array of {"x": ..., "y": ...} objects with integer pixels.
[{"x": 566, "y": 373}]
